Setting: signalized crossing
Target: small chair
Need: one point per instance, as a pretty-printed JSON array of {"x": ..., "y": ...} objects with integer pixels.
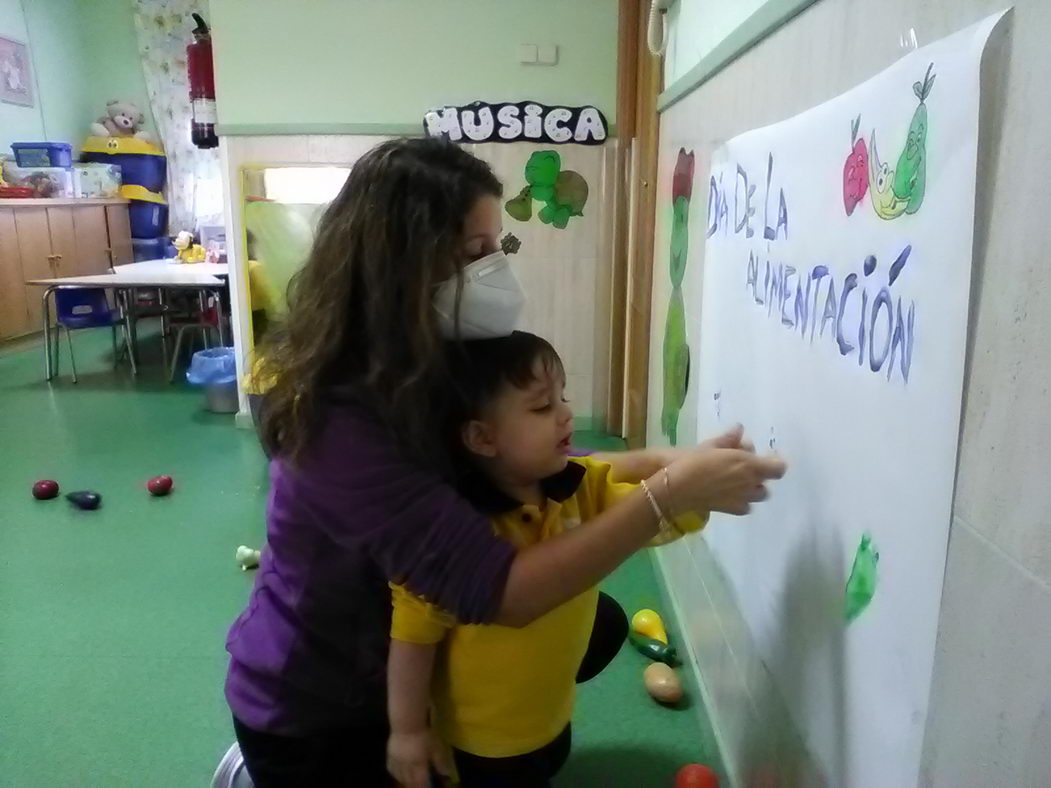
[
  {"x": 205, "y": 319},
  {"x": 78, "y": 308}
]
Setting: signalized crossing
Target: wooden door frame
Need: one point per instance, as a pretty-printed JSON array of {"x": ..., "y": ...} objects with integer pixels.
[{"x": 639, "y": 79}]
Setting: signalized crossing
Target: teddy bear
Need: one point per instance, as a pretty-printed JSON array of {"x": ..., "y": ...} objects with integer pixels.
[{"x": 122, "y": 119}]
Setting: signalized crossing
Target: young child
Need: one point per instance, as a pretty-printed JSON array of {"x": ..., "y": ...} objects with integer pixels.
[{"x": 502, "y": 697}]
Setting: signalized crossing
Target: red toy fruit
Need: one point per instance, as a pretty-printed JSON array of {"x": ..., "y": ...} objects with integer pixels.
[
  {"x": 855, "y": 170},
  {"x": 45, "y": 490},
  {"x": 159, "y": 485},
  {"x": 694, "y": 775}
]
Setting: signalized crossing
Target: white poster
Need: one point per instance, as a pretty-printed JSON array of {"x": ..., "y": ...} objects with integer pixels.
[{"x": 834, "y": 323}]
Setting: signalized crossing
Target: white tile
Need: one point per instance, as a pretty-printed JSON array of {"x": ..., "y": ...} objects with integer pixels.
[
  {"x": 281, "y": 149},
  {"x": 989, "y": 721},
  {"x": 340, "y": 148}
]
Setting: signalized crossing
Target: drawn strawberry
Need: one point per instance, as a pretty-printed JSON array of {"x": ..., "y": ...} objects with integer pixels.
[{"x": 855, "y": 170}]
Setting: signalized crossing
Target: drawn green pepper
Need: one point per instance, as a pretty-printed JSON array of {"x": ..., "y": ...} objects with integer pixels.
[
  {"x": 861, "y": 585},
  {"x": 910, "y": 175}
]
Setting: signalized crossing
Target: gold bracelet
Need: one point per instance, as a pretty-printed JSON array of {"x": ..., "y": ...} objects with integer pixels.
[
  {"x": 667, "y": 531},
  {"x": 667, "y": 488},
  {"x": 662, "y": 521}
]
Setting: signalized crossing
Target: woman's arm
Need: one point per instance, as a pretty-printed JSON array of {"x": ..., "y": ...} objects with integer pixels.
[{"x": 421, "y": 533}]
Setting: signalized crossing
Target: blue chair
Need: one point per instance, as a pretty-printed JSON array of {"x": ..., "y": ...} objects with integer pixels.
[{"x": 78, "y": 308}]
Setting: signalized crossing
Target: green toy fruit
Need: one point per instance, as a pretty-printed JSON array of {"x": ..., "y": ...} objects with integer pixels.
[{"x": 654, "y": 649}]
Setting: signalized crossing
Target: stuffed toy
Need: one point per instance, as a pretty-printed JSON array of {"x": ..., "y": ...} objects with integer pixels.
[
  {"x": 189, "y": 252},
  {"x": 122, "y": 119}
]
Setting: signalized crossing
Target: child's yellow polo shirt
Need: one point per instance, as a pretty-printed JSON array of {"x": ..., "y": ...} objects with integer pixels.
[{"x": 502, "y": 691}]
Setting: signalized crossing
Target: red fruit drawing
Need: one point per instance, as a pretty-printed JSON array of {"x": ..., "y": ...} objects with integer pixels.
[
  {"x": 682, "y": 176},
  {"x": 855, "y": 170}
]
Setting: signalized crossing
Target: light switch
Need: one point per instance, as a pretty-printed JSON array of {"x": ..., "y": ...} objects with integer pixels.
[
  {"x": 527, "y": 53},
  {"x": 547, "y": 54}
]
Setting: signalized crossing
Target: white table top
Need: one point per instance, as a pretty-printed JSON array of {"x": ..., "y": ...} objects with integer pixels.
[
  {"x": 169, "y": 265},
  {"x": 149, "y": 273}
]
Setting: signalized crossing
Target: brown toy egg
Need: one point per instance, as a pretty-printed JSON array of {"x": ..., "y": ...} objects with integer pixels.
[{"x": 662, "y": 683}]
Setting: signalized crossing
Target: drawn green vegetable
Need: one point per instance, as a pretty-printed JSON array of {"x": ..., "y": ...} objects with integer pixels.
[
  {"x": 861, "y": 585},
  {"x": 554, "y": 214},
  {"x": 676, "y": 356},
  {"x": 563, "y": 192},
  {"x": 520, "y": 207},
  {"x": 910, "y": 175},
  {"x": 571, "y": 191},
  {"x": 676, "y": 350},
  {"x": 541, "y": 173}
]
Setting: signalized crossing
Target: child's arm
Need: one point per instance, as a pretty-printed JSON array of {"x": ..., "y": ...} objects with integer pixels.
[
  {"x": 416, "y": 630},
  {"x": 409, "y": 748},
  {"x": 602, "y": 483}
]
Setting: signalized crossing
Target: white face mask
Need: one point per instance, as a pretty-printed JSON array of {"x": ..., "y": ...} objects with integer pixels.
[{"x": 490, "y": 302}]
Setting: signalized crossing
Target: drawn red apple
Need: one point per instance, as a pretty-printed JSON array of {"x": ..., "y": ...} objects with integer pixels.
[{"x": 855, "y": 170}]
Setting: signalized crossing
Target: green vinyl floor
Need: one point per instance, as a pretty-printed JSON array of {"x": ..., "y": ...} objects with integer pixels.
[{"x": 112, "y": 622}]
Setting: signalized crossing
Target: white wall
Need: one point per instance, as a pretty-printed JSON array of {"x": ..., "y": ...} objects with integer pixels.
[
  {"x": 989, "y": 720},
  {"x": 695, "y": 27}
]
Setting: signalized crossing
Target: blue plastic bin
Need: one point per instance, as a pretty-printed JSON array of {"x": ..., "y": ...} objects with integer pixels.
[
  {"x": 43, "y": 154},
  {"x": 216, "y": 370},
  {"x": 150, "y": 248},
  {"x": 141, "y": 163}
]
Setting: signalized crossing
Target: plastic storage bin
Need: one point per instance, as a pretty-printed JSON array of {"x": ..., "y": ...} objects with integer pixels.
[
  {"x": 96, "y": 180},
  {"x": 43, "y": 154},
  {"x": 141, "y": 163},
  {"x": 216, "y": 370},
  {"x": 147, "y": 211},
  {"x": 150, "y": 248},
  {"x": 44, "y": 181}
]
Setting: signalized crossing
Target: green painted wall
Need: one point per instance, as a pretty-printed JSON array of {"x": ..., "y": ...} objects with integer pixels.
[
  {"x": 59, "y": 54},
  {"x": 364, "y": 61},
  {"x": 84, "y": 52},
  {"x": 16, "y": 123}
]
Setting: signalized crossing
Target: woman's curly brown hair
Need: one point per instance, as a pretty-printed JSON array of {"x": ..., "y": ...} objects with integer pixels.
[{"x": 360, "y": 311}]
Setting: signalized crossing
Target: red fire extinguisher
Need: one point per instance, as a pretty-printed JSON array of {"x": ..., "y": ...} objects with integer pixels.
[{"x": 202, "y": 86}]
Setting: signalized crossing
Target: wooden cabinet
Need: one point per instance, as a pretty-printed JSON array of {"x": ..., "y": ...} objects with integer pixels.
[{"x": 44, "y": 239}]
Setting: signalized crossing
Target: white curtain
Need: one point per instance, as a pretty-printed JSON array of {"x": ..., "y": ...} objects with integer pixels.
[{"x": 164, "y": 29}]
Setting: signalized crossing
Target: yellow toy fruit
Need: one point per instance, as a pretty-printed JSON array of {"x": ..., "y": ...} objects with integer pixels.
[{"x": 647, "y": 622}]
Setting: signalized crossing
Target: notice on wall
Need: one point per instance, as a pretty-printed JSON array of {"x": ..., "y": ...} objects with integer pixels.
[{"x": 837, "y": 273}]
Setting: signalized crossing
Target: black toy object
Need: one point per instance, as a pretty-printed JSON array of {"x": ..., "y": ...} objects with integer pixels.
[{"x": 84, "y": 499}]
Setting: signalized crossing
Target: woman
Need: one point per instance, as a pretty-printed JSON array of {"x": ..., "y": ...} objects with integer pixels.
[{"x": 358, "y": 497}]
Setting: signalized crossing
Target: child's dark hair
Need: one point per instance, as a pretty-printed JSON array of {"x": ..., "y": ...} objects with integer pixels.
[{"x": 480, "y": 368}]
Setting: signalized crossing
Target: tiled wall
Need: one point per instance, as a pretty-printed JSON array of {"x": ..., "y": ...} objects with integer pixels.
[
  {"x": 566, "y": 273},
  {"x": 989, "y": 717}
]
